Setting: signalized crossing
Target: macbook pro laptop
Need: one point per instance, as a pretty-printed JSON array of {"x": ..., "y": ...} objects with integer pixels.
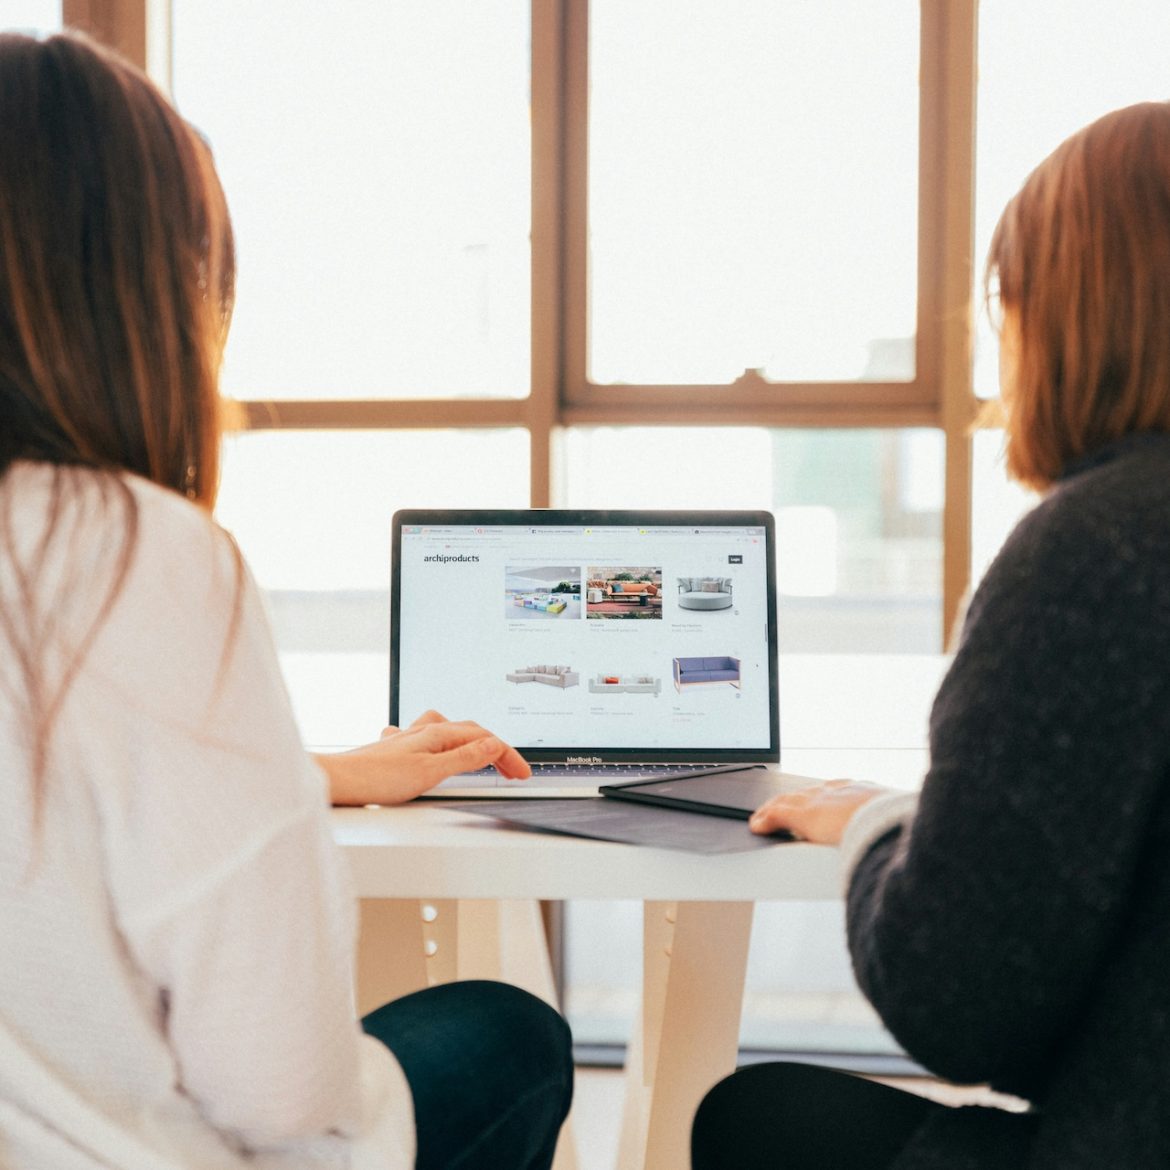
[{"x": 606, "y": 646}]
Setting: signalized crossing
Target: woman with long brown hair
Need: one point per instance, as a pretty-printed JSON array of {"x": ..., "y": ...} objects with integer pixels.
[
  {"x": 1012, "y": 924},
  {"x": 176, "y": 987}
]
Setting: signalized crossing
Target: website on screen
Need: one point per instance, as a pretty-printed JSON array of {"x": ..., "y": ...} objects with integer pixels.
[{"x": 571, "y": 636}]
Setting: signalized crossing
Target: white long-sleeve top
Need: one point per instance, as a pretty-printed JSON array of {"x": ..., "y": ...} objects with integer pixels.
[{"x": 176, "y": 931}]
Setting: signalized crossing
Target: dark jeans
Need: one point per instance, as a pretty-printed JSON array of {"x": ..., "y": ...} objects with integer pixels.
[
  {"x": 795, "y": 1116},
  {"x": 491, "y": 1071}
]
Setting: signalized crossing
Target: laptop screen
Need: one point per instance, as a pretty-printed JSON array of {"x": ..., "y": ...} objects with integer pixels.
[{"x": 606, "y": 635}]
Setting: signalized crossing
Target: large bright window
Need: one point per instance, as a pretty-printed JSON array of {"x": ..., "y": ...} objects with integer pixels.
[
  {"x": 1047, "y": 68},
  {"x": 30, "y": 16},
  {"x": 377, "y": 163},
  {"x": 858, "y": 516},
  {"x": 1094, "y": 58},
  {"x": 319, "y": 541},
  {"x": 752, "y": 191},
  {"x": 531, "y": 214}
]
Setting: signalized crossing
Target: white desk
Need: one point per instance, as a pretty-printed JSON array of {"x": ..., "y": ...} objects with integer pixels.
[
  {"x": 426, "y": 851},
  {"x": 483, "y": 883},
  {"x": 696, "y": 933},
  {"x": 451, "y": 895}
]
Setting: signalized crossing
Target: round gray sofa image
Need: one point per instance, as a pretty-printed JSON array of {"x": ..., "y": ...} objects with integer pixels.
[{"x": 704, "y": 592}]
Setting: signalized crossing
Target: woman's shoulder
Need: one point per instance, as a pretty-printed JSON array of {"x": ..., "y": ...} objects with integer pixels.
[
  {"x": 1116, "y": 501},
  {"x": 85, "y": 510},
  {"x": 178, "y": 544},
  {"x": 1133, "y": 469},
  {"x": 132, "y": 579},
  {"x": 1099, "y": 541}
]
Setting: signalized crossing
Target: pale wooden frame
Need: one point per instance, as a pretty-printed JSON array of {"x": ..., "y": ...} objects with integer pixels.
[
  {"x": 751, "y": 398},
  {"x": 940, "y": 396}
]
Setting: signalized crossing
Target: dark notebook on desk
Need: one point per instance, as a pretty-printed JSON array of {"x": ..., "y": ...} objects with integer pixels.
[
  {"x": 661, "y": 813},
  {"x": 731, "y": 794},
  {"x": 605, "y": 645}
]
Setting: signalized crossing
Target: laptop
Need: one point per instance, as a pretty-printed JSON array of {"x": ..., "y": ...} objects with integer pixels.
[{"x": 606, "y": 646}]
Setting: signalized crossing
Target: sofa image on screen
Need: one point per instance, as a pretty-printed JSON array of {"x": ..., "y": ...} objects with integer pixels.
[
  {"x": 545, "y": 602},
  {"x": 628, "y": 684},
  {"x": 704, "y": 592},
  {"x": 553, "y": 676},
  {"x": 630, "y": 590},
  {"x": 689, "y": 671},
  {"x": 623, "y": 591}
]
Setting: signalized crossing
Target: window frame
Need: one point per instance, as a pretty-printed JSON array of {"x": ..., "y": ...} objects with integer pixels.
[{"x": 940, "y": 396}]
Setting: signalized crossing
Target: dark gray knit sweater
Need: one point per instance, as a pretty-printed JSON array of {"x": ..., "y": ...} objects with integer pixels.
[{"x": 1018, "y": 932}]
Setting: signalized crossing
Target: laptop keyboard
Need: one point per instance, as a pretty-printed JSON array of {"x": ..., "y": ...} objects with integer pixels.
[
  {"x": 603, "y": 772},
  {"x": 566, "y": 779}
]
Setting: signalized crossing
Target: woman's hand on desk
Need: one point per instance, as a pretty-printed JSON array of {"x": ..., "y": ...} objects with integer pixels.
[
  {"x": 406, "y": 762},
  {"x": 818, "y": 813}
]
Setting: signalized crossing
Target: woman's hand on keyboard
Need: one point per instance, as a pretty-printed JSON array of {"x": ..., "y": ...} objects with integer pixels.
[{"x": 406, "y": 762}]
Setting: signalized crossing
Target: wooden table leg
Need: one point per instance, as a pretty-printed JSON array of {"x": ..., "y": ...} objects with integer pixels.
[
  {"x": 658, "y": 920},
  {"x": 391, "y": 955},
  {"x": 694, "y": 966},
  {"x": 405, "y": 945}
]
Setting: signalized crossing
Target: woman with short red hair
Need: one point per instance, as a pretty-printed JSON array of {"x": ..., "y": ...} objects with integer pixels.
[{"x": 1011, "y": 925}]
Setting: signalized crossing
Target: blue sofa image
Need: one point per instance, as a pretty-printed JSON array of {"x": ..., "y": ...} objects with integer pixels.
[{"x": 724, "y": 669}]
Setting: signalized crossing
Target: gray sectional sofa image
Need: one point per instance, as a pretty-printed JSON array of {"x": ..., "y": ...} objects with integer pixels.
[
  {"x": 721, "y": 669},
  {"x": 553, "y": 676}
]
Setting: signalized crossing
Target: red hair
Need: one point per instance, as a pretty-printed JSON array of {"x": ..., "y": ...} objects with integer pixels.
[{"x": 1082, "y": 259}]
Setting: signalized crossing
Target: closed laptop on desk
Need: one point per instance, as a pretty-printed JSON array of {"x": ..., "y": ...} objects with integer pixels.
[{"x": 602, "y": 644}]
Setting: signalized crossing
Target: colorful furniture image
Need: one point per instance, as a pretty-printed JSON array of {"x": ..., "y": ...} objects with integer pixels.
[
  {"x": 704, "y": 592},
  {"x": 690, "y": 671},
  {"x": 546, "y": 603},
  {"x": 629, "y": 684},
  {"x": 552, "y": 676},
  {"x": 542, "y": 591}
]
